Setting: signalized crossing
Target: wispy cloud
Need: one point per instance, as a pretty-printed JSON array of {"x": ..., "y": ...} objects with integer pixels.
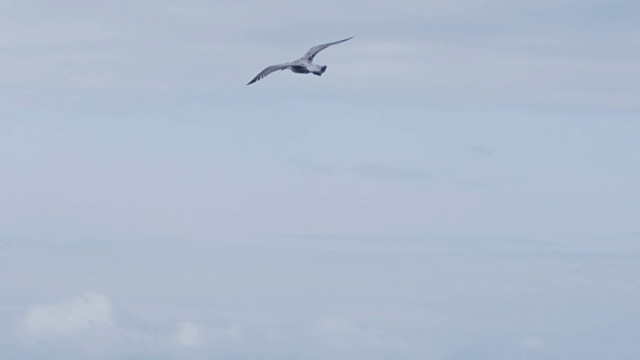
[
  {"x": 469, "y": 53},
  {"x": 90, "y": 326},
  {"x": 533, "y": 343},
  {"x": 481, "y": 150},
  {"x": 68, "y": 317},
  {"x": 374, "y": 171},
  {"x": 469, "y": 183},
  {"x": 380, "y": 171}
]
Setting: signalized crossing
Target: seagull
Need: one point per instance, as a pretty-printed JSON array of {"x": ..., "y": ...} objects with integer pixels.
[{"x": 304, "y": 65}]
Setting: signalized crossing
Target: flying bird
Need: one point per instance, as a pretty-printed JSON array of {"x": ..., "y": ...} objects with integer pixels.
[{"x": 304, "y": 65}]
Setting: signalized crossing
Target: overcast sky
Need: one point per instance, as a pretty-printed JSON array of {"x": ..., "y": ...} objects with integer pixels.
[{"x": 461, "y": 183}]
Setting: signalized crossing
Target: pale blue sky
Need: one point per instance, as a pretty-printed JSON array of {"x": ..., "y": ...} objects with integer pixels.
[{"x": 461, "y": 183}]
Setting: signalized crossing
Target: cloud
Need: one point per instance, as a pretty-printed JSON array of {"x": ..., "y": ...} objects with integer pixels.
[
  {"x": 376, "y": 171},
  {"x": 381, "y": 171},
  {"x": 69, "y": 317},
  {"x": 480, "y": 150},
  {"x": 90, "y": 326},
  {"x": 533, "y": 343},
  {"x": 313, "y": 166},
  {"x": 187, "y": 334},
  {"x": 339, "y": 333},
  {"x": 471, "y": 52},
  {"x": 472, "y": 184}
]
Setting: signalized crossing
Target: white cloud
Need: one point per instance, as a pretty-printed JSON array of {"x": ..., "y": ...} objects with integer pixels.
[
  {"x": 70, "y": 316},
  {"x": 187, "y": 334},
  {"x": 232, "y": 333},
  {"x": 345, "y": 334},
  {"x": 91, "y": 326}
]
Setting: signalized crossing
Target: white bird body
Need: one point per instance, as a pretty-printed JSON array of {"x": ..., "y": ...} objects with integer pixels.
[{"x": 304, "y": 65}]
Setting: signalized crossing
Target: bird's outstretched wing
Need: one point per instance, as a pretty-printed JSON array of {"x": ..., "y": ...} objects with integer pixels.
[
  {"x": 316, "y": 49},
  {"x": 268, "y": 70}
]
